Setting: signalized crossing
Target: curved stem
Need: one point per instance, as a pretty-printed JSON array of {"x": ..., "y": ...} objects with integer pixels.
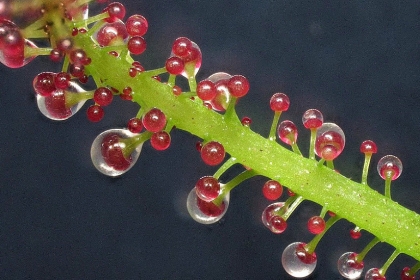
[
  {"x": 366, "y": 168},
  {"x": 273, "y": 129},
  {"x": 233, "y": 183},
  {"x": 388, "y": 262},
  {"x": 366, "y": 250},
  {"x": 222, "y": 169},
  {"x": 311, "y": 246},
  {"x": 312, "y": 143}
]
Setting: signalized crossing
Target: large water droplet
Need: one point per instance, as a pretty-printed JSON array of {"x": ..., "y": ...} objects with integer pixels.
[
  {"x": 62, "y": 104},
  {"x": 206, "y": 212},
  {"x": 297, "y": 262},
  {"x": 115, "y": 151},
  {"x": 348, "y": 267}
]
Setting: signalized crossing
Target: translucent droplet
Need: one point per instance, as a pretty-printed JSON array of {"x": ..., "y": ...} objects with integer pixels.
[
  {"x": 206, "y": 212},
  {"x": 389, "y": 166},
  {"x": 330, "y": 141},
  {"x": 110, "y": 154},
  {"x": 287, "y": 132},
  {"x": 111, "y": 34},
  {"x": 312, "y": 118},
  {"x": 348, "y": 267},
  {"x": 192, "y": 61},
  {"x": 223, "y": 96},
  {"x": 269, "y": 211},
  {"x": 297, "y": 262},
  {"x": 374, "y": 274},
  {"x": 62, "y": 104}
]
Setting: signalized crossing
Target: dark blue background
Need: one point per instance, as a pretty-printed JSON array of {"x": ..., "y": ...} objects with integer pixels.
[{"x": 356, "y": 61}]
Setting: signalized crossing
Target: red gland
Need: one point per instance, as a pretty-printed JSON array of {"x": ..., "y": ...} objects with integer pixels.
[
  {"x": 277, "y": 224},
  {"x": 176, "y": 90},
  {"x": 135, "y": 125},
  {"x": 238, "y": 85},
  {"x": 112, "y": 153},
  {"x": 55, "y": 55},
  {"x": 77, "y": 70},
  {"x": 62, "y": 80},
  {"x": 95, "y": 113},
  {"x": 304, "y": 255},
  {"x": 56, "y": 105},
  {"x": 111, "y": 34},
  {"x": 368, "y": 147},
  {"x": 279, "y": 102},
  {"x": 246, "y": 121},
  {"x": 44, "y": 83},
  {"x": 287, "y": 132},
  {"x": 136, "y": 45},
  {"x": 316, "y": 225},
  {"x": 137, "y": 65},
  {"x": 181, "y": 46},
  {"x": 212, "y": 153},
  {"x": 136, "y": 25},
  {"x": 103, "y": 96},
  {"x": 154, "y": 120},
  {"x": 116, "y": 11},
  {"x": 355, "y": 234},
  {"x": 160, "y": 140},
  {"x": 174, "y": 65},
  {"x": 127, "y": 93},
  {"x": 207, "y": 188},
  {"x": 312, "y": 119},
  {"x": 405, "y": 274},
  {"x": 272, "y": 190},
  {"x": 209, "y": 208},
  {"x": 206, "y": 90},
  {"x": 79, "y": 57}
]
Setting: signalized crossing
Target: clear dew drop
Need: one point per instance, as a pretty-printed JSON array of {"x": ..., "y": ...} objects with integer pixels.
[
  {"x": 374, "y": 274},
  {"x": 391, "y": 166},
  {"x": 196, "y": 62},
  {"x": 293, "y": 264},
  {"x": 223, "y": 96},
  {"x": 198, "y": 215},
  {"x": 312, "y": 118},
  {"x": 54, "y": 106},
  {"x": 348, "y": 267},
  {"x": 330, "y": 141},
  {"x": 98, "y": 158},
  {"x": 268, "y": 213}
]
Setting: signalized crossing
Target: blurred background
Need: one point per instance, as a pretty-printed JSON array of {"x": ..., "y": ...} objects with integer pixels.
[{"x": 356, "y": 61}]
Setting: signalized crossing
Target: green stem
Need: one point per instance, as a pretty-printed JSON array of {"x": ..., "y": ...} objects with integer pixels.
[
  {"x": 366, "y": 168},
  {"x": 296, "y": 149},
  {"x": 290, "y": 209},
  {"x": 389, "y": 221},
  {"x": 388, "y": 187},
  {"x": 366, "y": 250},
  {"x": 390, "y": 260},
  {"x": 231, "y": 161},
  {"x": 233, "y": 183},
  {"x": 273, "y": 129},
  {"x": 414, "y": 269},
  {"x": 312, "y": 144},
  {"x": 311, "y": 246}
]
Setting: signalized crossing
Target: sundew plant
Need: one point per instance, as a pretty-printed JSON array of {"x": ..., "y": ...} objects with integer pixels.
[{"x": 357, "y": 63}]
